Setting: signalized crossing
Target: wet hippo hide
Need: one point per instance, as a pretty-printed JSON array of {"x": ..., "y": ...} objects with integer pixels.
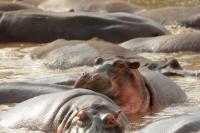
[
  {"x": 167, "y": 43},
  {"x": 62, "y": 54},
  {"x": 186, "y": 123},
  {"x": 163, "y": 91},
  {"x": 135, "y": 91},
  {"x": 170, "y": 15},
  {"x": 14, "y": 92},
  {"x": 30, "y": 26},
  {"x": 13, "y": 6},
  {"x": 91, "y": 5},
  {"x": 77, "y": 111},
  {"x": 193, "y": 21}
]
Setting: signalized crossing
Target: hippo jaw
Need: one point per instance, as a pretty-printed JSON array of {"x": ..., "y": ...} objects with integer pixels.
[
  {"x": 122, "y": 82},
  {"x": 90, "y": 121}
]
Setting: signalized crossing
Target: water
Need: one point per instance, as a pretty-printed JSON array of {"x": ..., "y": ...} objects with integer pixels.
[{"x": 16, "y": 64}]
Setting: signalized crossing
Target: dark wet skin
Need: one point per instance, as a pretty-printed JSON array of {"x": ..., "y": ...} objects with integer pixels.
[
  {"x": 186, "y": 123},
  {"x": 32, "y": 26},
  {"x": 75, "y": 111},
  {"x": 134, "y": 91}
]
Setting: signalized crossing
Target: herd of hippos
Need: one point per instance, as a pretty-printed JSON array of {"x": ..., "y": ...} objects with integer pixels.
[{"x": 107, "y": 34}]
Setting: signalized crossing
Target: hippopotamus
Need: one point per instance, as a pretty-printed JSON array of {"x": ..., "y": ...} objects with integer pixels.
[
  {"x": 13, "y": 6},
  {"x": 170, "y": 15},
  {"x": 166, "y": 43},
  {"x": 91, "y": 5},
  {"x": 62, "y": 54},
  {"x": 193, "y": 21},
  {"x": 40, "y": 27},
  {"x": 15, "y": 92},
  {"x": 134, "y": 90},
  {"x": 186, "y": 123},
  {"x": 72, "y": 111}
]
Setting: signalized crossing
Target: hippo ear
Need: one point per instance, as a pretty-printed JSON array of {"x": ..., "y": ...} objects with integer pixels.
[{"x": 134, "y": 65}]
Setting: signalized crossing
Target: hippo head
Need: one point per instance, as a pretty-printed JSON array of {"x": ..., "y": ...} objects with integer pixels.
[
  {"x": 91, "y": 114},
  {"x": 121, "y": 81}
]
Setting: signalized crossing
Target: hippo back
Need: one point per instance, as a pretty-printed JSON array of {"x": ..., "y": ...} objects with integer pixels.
[{"x": 163, "y": 91}]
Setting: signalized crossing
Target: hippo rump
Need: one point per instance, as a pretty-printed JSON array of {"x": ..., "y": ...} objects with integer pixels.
[
  {"x": 62, "y": 54},
  {"x": 187, "y": 123},
  {"x": 13, "y": 6},
  {"x": 170, "y": 15},
  {"x": 167, "y": 43},
  {"x": 31, "y": 26},
  {"x": 80, "y": 111},
  {"x": 91, "y": 5},
  {"x": 135, "y": 91},
  {"x": 193, "y": 21}
]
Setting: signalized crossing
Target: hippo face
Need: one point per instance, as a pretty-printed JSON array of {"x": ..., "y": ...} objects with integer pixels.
[
  {"x": 93, "y": 115},
  {"x": 95, "y": 122},
  {"x": 121, "y": 81}
]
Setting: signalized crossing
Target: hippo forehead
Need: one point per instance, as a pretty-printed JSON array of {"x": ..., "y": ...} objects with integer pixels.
[{"x": 95, "y": 107}]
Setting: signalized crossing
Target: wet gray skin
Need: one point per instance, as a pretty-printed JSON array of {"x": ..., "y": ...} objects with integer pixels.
[
  {"x": 135, "y": 91},
  {"x": 32, "y": 26},
  {"x": 166, "y": 43},
  {"x": 75, "y": 111},
  {"x": 186, "y": 123},
  {"x": 170, "y": 15}
]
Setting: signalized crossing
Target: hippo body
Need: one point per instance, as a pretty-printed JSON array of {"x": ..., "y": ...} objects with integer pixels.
[
  {"x": 187, "y": 123},
  {"x": 14, "y": 92},
  {"x": 30, "y": 26},
  {"x": 167, "y": 43},
  {"x": 135, "y": 91},
  {"x": 170, "y": 15},
  {"x": 91, "y": 5},
  {"x": 13, "y": 6},
  {"x": 62, "y": 54},
  {"x": 76, "y": 110},
  {"x": 192, "y": 21}
]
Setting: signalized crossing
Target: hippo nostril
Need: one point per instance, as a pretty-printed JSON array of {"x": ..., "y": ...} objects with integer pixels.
[
  {"x": 82, "y": 115},
  {"x": 110, "y": 120}
]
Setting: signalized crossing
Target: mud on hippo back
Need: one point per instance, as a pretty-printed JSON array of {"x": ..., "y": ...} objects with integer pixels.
[
  {"x": 135, "y": 91},
  {"x": 30, "y": 26},
  {"x": 72, "y": 111}
]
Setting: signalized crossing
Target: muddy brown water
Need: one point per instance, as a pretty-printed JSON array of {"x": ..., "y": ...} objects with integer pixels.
[{"x": 15, "y": 64}]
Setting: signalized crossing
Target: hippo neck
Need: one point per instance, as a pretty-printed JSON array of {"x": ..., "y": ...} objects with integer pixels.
[{"x": 134, "y": 99}]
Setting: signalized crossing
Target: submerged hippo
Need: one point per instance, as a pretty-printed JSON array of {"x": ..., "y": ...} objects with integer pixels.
[
  {"x": 15, "y": 92},
  {"x": 167, "y": 43},
  {"x": 62, "y": 54},
  {"x": 91, "y": 5},
  {"x": 193, "y": 21},
  {"x": 80, "y": 111},
  {"x": 29, "y": 26},
  {"x": 170, "y": 15},
  {"x": 187, "y": 123},
  {"x": 135, "y": 91},
  {"x": 13, "y": 6}
]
